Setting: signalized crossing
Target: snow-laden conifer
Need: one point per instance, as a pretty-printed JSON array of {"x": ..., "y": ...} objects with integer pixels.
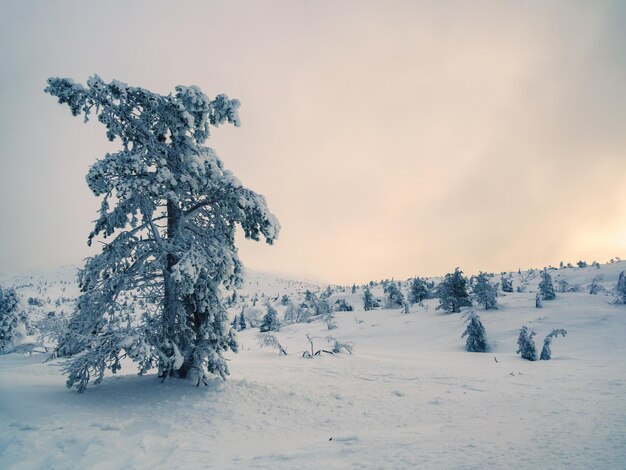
[
  {"x": 418, "y": 291},
  {"x": 506, "y": 284},
  {"x": 368, "y": 299},
  {"x": 270, "y": 320},
  {"x": 546, "y": 289},
  {"x": 475, "y": 331},
  {"x": 485, "y": 292},
  {"x": 394, "y": 298},
  {"x": 9, "y": 319},
  {"x": 526, "y": 344},
  {"x": 452, "y": 292},
  {"x": 168, "y": 215}
]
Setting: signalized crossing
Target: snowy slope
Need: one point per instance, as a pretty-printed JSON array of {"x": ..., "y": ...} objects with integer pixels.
[{"x": 409, "y": 396}]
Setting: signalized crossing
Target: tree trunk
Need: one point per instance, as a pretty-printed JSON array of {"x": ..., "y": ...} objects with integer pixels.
[{"x": 171, "y": 303}]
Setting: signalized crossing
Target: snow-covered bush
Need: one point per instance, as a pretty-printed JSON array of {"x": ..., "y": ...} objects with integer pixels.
[
  {"x": 485, "y": 292},
  {"x": 329, "y": 319},
  {"x": 268, "y": 340},
  {"x": 452, "y": 292},
  {"x": 314, "y": 305},
  {"x": 52, "y": 327},
  {"x": 596, "y": 288},
  {"x": 546, "y": 352},
  {"x": 538, "y": 303},
  {"x": 296, "y": 314},
  {"x": 169, "y": 210},
  {"x": 342, "y": 305},
  {"x": 546, "y": 289},
  {"x": 475, "y": 331},
  {"x": 338, "y": 346},
  {"x": 526, "y": 344}
]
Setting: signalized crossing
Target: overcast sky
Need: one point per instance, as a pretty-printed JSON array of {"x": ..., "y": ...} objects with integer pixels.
[{"x": 390, "y": 138}]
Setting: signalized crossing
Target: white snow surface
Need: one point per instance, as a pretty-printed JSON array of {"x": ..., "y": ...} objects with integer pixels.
[{"x": 409, "y": 396}]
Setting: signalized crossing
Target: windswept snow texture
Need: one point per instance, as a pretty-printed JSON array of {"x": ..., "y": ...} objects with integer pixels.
[{"x": 409, "y": 396}]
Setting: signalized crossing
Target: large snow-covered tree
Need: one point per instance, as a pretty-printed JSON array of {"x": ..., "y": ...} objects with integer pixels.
[
  {"x": 9, "y": 318},
  {"x": 418, "y": 291},
  {"x": 168, "y": 217},
  {"x": 453, "y": 293},
  {"x": 485, "y": 292}
]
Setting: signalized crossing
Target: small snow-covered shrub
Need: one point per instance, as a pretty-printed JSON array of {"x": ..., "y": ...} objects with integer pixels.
[
  {"x": 268, "y": 340},
  {"x": 342, "y": 305},
  {"x": 596, "y": 288},
  {"x": 475, "y": 332},
  {"x": 526, "y": 344},
  {"x": 338, "y": 346},
  {"x": 546, "y": 352},
  {"x": 620, "y": 289},
  {"x": 329, "y": 319}
]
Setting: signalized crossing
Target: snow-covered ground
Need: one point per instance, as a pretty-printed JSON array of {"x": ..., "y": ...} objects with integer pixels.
[{"x": 408, "y": 397}]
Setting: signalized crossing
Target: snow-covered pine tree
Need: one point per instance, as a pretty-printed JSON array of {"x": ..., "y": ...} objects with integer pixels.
[
  {"x": 169, "y": 211},
  {"x": 538, "y": 303},
  {"x": 242, "y": 321},
  {"x": 368, "y": 299},
  {"x": 546, "y": 352},
  {"x": 507, "y": 285},
  {"x": 452, "y": 292},
  {"x": 235, "y": 322},
  {"x": 418, "y": 291},
  {"x": 546, "y": 289},
  {"x": 620, "y": 289},
  {"x": 526, "y": 344},
  {"x": 486, "y": 293},
  {"x": 9, "y": 318},
  {"x": 475, "y": 331},
  {"x": 270, "y": 320},
  {"x": 394, "y": 298}
]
